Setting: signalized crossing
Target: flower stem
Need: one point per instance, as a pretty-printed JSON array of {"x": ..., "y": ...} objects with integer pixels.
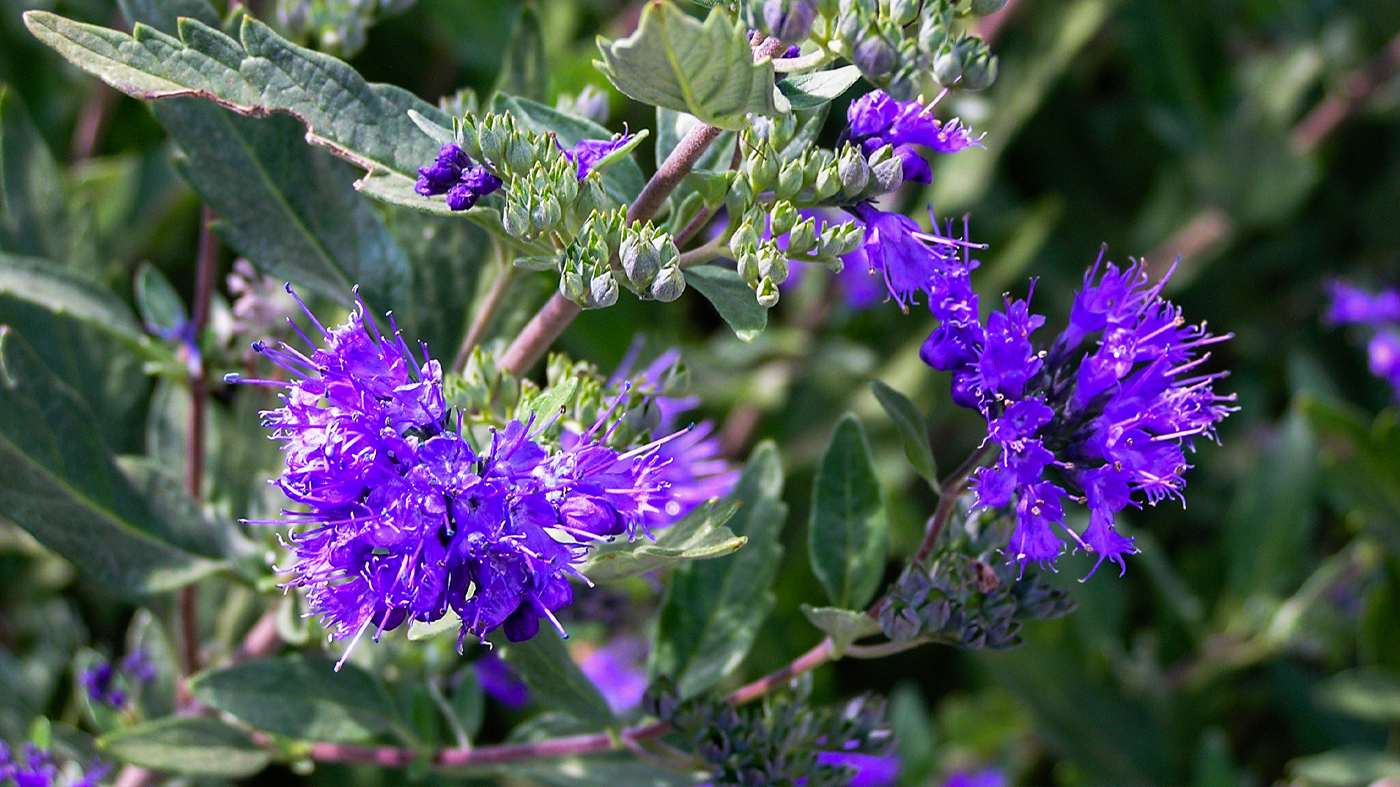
[
  {"x": 505, "y": 278},
  {"x": 948, "y": 492}
]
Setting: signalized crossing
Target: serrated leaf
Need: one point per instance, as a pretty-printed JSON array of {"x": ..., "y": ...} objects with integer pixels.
[
  {"x": 367, "y": 124},
  {"x": 844, "y": 626},
  {"x": 675, "y": 61},
  {"x": 525, "y": 72},
  {"x": 909, "y": 423},
  {"x": 159, "y": 304},
  {"x": 805, "y": 91},
  {"x": 59, "y": 481},
  {"x": 848, "y": 533},
  {"x": 290, "y": 209},
  {"x": 301, "y": 698},
  {"x": 1368, "y": 693},
  {"x": 713, "y": 609},
  {"x": 622, "y": 180},
  {"x": 195, "y": 745},
  {"x": 554, "y": 679},
  {"x": 701, "y": 535},
  {"x": 48, "y": 285},
  {"x": 732, "y": 298}
]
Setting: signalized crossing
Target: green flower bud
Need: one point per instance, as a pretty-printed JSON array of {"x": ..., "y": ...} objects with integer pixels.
[
  {"x": 803, "y": 238},
  {"x": 748, "y": 268},
  {"x": 590, "y": 196},
  {"x": 886, "y": 170},
  {"x": 640, "y": 261},
  {"x": 669, "y": 284},
  {"x": 520, "y": 154},
  {"x": 602, "y": 290},
  {"x": 812, "y": 163},
  {"x": 904, "y": 11},
  {"x": 564, "y": 186},
  {"x": 828, "y": 182},
  {"x": 772, "y": 264},
  {"x": 762, "y": 169},
  {"x": 848, "y": 28},
  {"x": 571, "y": 286},
  {"x": 854, "y": 172},
  {"x": 545, "y": 214},
  {"x": 516, "y": 219},
  {"x": 790, "y": 179},
  {"x": 980, "y": 73},
  {"x": 739, "y": 198},
  {"x": 933, "y": 34},
  {"x": 666, "y": 247},
  {"x": 743, "y": 239},
  {"x": 767, "y": 293},
  {"x": 947, "y": 66},
  {"x": 490, "y": 140},
  {"x": 782, "y": 219}
]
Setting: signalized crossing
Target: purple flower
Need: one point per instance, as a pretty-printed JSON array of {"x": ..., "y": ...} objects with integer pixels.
[
  {"x": 501, "y": 682},
  {"x": 908, "y": 259},
  {"x": 869, "y": 770},
  {"x": 875, "y": 120},
  {"x": 406, "y": 517},
  {"x": 588, "y": 152},
  {"x": 618, "y": 670},
  {"x": 1106, "y": 421},
  {"x": 1379, "y": 312},
  {"x": 36, "y": 768},
  {"x": 106, "y": 683},
  {"x": 454, "y": 174}
]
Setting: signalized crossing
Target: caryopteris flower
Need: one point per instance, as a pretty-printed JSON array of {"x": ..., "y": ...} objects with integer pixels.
[
  {"x": 1380, "y": 312},
  {"x": 1105, "y": 422},
  {"x": 405, "y": 517},
  {"x": 876, "y": 119},
  {"x": 588, "y": 152},
  {"x": 35, "y": 767},
  {"x": 453, "y": 173},
  {"x": 908, "y": 259}
]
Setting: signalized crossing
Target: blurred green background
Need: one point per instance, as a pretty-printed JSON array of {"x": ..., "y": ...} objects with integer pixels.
[{"x": 1257, "y": 638}]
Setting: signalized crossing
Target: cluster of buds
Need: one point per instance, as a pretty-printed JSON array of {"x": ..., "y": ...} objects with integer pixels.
[
  {"x": 965, "y": 602},
  {"x": 896, "y": 43},
  {"x": 608, "y": 253}
]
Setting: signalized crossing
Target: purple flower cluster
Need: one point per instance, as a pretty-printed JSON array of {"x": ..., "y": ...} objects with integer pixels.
[
  {"x": 1113, "y": 416},
  {"x": 36, "y": 768},
  {"x": 588, "y": 152},
  {"x": 1380, "y": 312},
  {"x": 104, "y": 680},
  {"x": 908, "y": 259},
  {"x": 407, "y": 518},
  {"x": 875, "y": 120},
  {"x": 453, "y": 173}
]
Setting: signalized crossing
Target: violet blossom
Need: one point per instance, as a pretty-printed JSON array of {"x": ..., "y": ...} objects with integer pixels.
[
  {"x": 405, "y": 517},
  {"x": 106, "y": 683},
  {"x": 876, "y": 119},
  {"x": 453, "y": 173},
  {"x": 586, "y": 154},
  {"x": 35, "y": 767},
  {"x": 1113, "y": 415},
  {"x": 1380, "y": 313}
]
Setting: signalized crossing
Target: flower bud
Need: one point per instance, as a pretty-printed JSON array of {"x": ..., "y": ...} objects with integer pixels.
[
  {"x": 887, "y": 170},
  {"x": 748, "y": 268},
  {"x": 640, "y": 261},
  {"x": 491, "y": 140},
  {"x": 762, "y": 169},
  {"x": 803, "y": 238},
  {"x": 904, "y": 11},
  {"x": 873, "y": 55},
  {"x": 666, "y": 248},
  {"x": 515, "y": 219},
  {"x": 790, "y": 179},
  {"x": 933, "y": 34},
  {"x": 743, "y": 239},
  {"x": 987, "y": 7},
  {"x": 545, "y": 215},
  {"x": 571, "y": 286},
  {"x": 739, "y": 196},
  {"x": 854, "y": 172},
  {"x": 767, "y": 294},
  {"x": 520, "y": 155},
  {"x": 590, "y": 196},
  {"x": 947, "y": 66},
  {"x": 848, "y": 28},
  {"x": 981, "y": 72},
  {"x": 828, "y": 182},
  {"x": 789, "y": 21},
  {"x": 772, "y": 264},
  {"x": 782, "y": 218},
  {"x": 602, "y": 290},
  {"x": 904, "y": 85},
  {"x": 643, "y": 419},
  {"x": 669, "y": 284}
]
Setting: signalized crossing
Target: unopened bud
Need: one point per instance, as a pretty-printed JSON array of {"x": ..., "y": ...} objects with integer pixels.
[
  {"x": 490, "y": 140},
  {"x": 887, "y": 170},
  {"x": 640, "y": 261},
  {"x": 873, "y": 55},
  {"x": 520, "y": 155},
  {"x": 669, "y": 284},
  {"x": 782, "y": 218},
  {"x": 767, "y": 294},
  {"x": 602, "y": 290},
  {"x": 545, "y": 214},
  {"x": 762, "y": 169},
  {"x": 515, "y": 219},
  {"x": 828, "y": 182},
  {"x": 789, "y": 180},
  {"x": 803, "y": 238},
  {"x": 904, "y": 11},
  {"x": 789, "y": 21},
  {"x": 854, "y": 172},
  {"x": 980, "y": 73},
  {"x": 743, "y": 239},
  {"x": 571, "y": 286},
  {"x": 947, "y": 66},
  {"x": 739, "y": 197},
  {"x": 773, "y": 264},
  {"x": 748, "y": 268}
]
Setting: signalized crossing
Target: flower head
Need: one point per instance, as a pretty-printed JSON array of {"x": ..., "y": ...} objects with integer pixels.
[
  {"x": 908, "y": 259},
  {"x": 1103, "y": 421},
  {"x": 406, "y": 517},
  {"x": 453, "y": 173},
  {"x": 876, "y": 119},
  {"x": 35, "y": 767}
]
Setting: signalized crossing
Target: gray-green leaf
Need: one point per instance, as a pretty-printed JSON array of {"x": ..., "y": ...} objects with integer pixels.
[
  {"x": 161, "y": 308},
  {"x": 732, "y": 298},
  {"x": 844, "y": 626},
  {"x": 555, "y": 680},
  {"x": 59, "y": 481},
  {"x": 912, "y": 429},
  {"x": 195, "y": 745},
  {"x": 48, "y": 285},
  {"x": 302, "y": 698},
  {"x": 714, "y": 608},
  {"x": 805, "y": 91},
  {"x": 701, "y": 535},
  {"x": 525, "y": 71},
  {"x": 675, "y": 61},
  {"x": 848, "y": 534}
]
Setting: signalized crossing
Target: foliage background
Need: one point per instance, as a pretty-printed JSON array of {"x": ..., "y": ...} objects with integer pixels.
[{"x": 1153, "y": 126}]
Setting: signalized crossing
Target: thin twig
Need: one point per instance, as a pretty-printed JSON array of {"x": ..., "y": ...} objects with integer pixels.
[
  {"x": 948, "y": 492},
  {"x": 505, "y": 277}
]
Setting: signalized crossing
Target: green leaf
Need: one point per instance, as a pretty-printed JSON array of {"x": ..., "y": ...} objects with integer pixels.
[
  {"x": 525, "y": 72},
  {"x": 713, "y": 609},
  {"x": 448, "y": 623},
  {"x": 183, "y": 522},
  {"x": 912, "y": 429},
  {"x": 848, "y": 533},
  {"x": 701, "y": 535},
  {"x": 554, "y": 679},
  {"x": 290, "y": 209},
  {"x": 732, "y": 298},
  {"x": 301, "y": 698},
  {"x": 195, "y": 745},
  {"x": 1346, "y": 768},
  {"x": 447, "y": 257},
  {"x": 468, "y": 702},
  {"x": 559, "y": 395},
  {"x": 367, "y": 124},
  {"x": 622, "y": 181},
  {"x": 844, "y": 626},
  {"x": 1367, "y": 693},
  {"x": 33, "y": 217},
  {"x": 675, "y": 61},
  {"x": 805, "y": 91},
  {"x": 59, "y": 481},
  {"x": 161, "y": 308},
  {"x": 48, "y": 285}
]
